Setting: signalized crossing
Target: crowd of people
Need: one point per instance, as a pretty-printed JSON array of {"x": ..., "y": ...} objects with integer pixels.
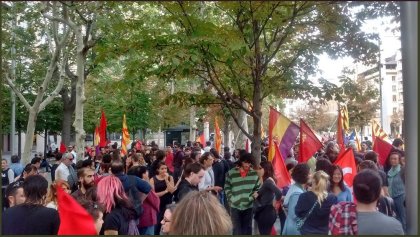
[{"x": 193, "y": 190}]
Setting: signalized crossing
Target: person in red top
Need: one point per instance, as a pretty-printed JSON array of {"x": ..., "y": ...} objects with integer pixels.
[{"x": 169, "y": 159}]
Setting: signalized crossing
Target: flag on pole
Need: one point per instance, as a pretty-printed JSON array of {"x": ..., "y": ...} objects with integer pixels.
[
  {"x": 383, "y": 149},
  {"x": 97, "y": 137},
  {"x": 218, "y": 136},
  {"x": 377, "y": 131},
  {"x": 357, "y": 140},
  {"x": 74, "y": 219},
  {"x": 309, "y": 142},
  {"x": 345, "y": 117},
  {"x": 280, "y": 171},
  {"x": 340, "y": 132},
  {"x": 125, "y": 137},
  {"x": 102, "y": 130},
  {"x": 347, "y": 163},
  {"x": 282, "y": 131}
]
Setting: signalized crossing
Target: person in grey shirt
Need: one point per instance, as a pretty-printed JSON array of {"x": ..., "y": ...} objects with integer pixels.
[{"x": 367, "y": 189}]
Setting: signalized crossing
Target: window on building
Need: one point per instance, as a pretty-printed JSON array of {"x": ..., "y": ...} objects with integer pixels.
[
  {"x": 394, "y": 88},
  {"x": 394, "y": 98},
  {"x": 394, "y": 110},
  {"x": 401, "y": 96},
  {"x": 393, "y": 78}
]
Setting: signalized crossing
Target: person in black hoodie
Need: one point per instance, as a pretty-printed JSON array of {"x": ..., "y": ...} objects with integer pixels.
[{"x": 193, "y": 174}]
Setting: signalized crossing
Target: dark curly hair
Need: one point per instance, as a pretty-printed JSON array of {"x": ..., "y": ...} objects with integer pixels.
[{"x": 300, "y": 173}]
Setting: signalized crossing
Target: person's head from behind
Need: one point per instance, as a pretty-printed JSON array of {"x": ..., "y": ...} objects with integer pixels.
[
  {"x": 320, "y": 184},
  {"x": 29, "y": 170},
  {"x": 300, "y": 173},
  {"x": 371, "y": 155},
  {"x": 139, "y": 171},
  {"x": 194, "y": 173},
  {"x": 160, "y": 155},
  {"x": 117, "y": 167},
  {"x": 323, "y": 164},
  {"x": 110, "y": 192},
  {"x": 266, "y": 171},
  {"x": 208, "y": 143},
  {"x": 367, "y": 164},
  {"x": 206, "y": 216},
  {"x": 367, "y": 186},
  {"x": 398, "y": 143},
  {"x": 35, "y": 188},
  {"x": 95, "y": 210},
  {"x": 36, "y": 161},
  {"x": 15, "y": 159},
  {"x": 15, "y": 194},
  {"x": 167, "y": 218}
]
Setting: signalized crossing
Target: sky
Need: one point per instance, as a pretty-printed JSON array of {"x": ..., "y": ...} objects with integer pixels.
[{"x": 390, "y": 43}]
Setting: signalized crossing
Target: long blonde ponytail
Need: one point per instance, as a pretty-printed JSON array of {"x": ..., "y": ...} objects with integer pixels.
[{"x": 320, "y": 184}]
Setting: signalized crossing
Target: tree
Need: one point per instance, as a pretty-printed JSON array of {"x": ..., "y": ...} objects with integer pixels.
[
  {"x": 54, "y": 71},
  {"x": 248, "y": 51}
]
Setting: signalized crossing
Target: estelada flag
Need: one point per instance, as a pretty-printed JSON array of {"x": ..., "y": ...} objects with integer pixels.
[
  {"x": 280, "y": 171},
  {"x": 102, "y": 130},
  {"x": 63, "y": 147},
  {"x": 347, "y": 163},
  {"x": 74, "y": 219},
  {"x": 383, "y": 149},
  {"x": 309, "y": 142}
]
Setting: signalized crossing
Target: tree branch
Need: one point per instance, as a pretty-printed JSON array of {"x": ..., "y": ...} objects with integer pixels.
[{"x": 17, "y": 92}]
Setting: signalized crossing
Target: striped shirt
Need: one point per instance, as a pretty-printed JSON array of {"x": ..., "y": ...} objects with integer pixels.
[{"x": 239, "y": 190}]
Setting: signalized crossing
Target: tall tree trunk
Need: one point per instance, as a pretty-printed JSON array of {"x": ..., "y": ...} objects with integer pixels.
[
  {"x": 193, "y": 126},
  {"x": 80, "y": 95},
  {"x": 66, "y": 125},
  {"x": 243, "y": 121},
  {"x": 29, "y": 137},
  {"x": 226, "y": 130}
]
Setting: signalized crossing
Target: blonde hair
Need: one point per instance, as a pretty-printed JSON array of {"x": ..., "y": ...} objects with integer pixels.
[
  {"x": 320, "y": 184},
  {"x": 52, "y": 192},
  {"x": 205, "y": 216}
]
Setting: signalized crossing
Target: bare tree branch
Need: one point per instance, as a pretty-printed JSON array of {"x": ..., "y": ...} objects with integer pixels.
[{"x": 17, "y": 92}]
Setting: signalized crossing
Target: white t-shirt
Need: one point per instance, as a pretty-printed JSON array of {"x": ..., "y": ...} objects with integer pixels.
[
  {"x": 75, "y": 156},
  {"x": 62, "y": 172},
  {"x": 208, "y": 180}
]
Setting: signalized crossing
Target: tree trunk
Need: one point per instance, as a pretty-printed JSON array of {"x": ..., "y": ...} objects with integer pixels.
[
  {"x": 243, "y": 121},
  {"x": 226, "y": 129},
  {"x": 193, "y": 126},
  {"x": 80, "y": 95},
  {"x": 29, "y": 137},
  {"x": 66, "y": 125},
  {"x": 19, "y": 152}
]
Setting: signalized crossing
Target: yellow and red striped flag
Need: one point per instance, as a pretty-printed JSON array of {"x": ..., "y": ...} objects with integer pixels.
[
  {"x": 218, "y": 136},
  {"x": 377, "y": 131},
  {"x": 344, "y": 117},
  {"x": 125, "y": 137},
  {"x": 97, "y": 137}
]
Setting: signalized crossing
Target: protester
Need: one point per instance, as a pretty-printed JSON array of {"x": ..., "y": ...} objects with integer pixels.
[
  {"x": 396, "y": 187},
  {"x": 119, "y": 213},
  {"x": 66, "y": 172},
  {"x": 167, "y": 218},
  {"x": 85, "y": 176},
  {"x": 367, "y": 189},
  {"x": 51, "y": 200},
  {"x": 169, "y": 159},
  {"x": 7, "y": 177},
  {"x": 193, "y": 174},
  {"x": 373, "y": 156},
  {"x": 241, "y": 184},
  {"x": 95, "y": 210},
  {"x": 14, "y": 194},
  {"x": 207, "y": 183},
  {"x": 15, "y": 165},
  {"x": 206, "y": 216},
  {"x": 337, "y": 185},
  {"x": 264, "y": 212},
  {"x": 54, "y": 167},
  {"x": 31, "y": 217},
  {"x": 300, "y": 176},
  {"x": 29, "y": 170},
  {"x": 160, "y": 157},
  {"x": 163, "y": 184},
  {"x": 148, "y": 220}
]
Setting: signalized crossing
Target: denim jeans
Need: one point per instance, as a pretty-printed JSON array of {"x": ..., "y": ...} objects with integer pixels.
[
  {"x": 221, "y": 197},
  {"x": 242, "y": 221},
  {"x": 400, "y": 210},
  {"x": 150, "y": 230}
]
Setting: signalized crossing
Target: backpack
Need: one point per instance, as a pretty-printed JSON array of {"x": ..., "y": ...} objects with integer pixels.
[{"x": 135, "y": 196}]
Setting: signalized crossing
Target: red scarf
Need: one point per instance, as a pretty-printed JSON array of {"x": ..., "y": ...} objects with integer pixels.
[{"x": 243, "y": 172}]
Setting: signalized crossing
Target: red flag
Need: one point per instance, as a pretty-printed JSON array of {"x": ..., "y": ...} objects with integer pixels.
[
  {"x": 74, "y": 219},
  {"x": 280, "y": 170},
  {"x": 340, "y": 135},
  {"x": 63, "y": 148},
  {"x": 309, "y": 143},
  {"x": 203, "y": 139},
  {"x": 102, "y": 130},
  {"x": 347, "y": 163},
  {"x": 383, "y": 149}
]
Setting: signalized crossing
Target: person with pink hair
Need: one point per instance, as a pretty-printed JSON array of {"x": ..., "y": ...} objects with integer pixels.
[{"x": 119, "y": 215}]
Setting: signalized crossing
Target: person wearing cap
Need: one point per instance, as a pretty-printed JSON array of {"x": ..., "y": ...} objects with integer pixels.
[{"x": 241, "y": 184}]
